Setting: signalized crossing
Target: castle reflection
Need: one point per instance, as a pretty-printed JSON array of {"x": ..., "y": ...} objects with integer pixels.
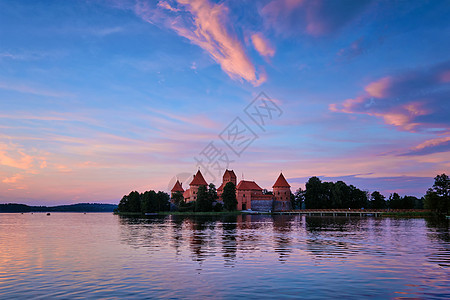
[{"x": 244, "y": 237}]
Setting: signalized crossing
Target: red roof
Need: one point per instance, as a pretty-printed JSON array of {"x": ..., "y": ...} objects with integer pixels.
[
  {"x": 248, "y": 185},
  {"x": 261, "y": 197},
  {"x": 230, "y": 173},
  {"x": 198, "y": 179},
  {"x": 220, "y": 187},
  {"x": 177, "y": 187},
  {"x": 281, "y": 182}
]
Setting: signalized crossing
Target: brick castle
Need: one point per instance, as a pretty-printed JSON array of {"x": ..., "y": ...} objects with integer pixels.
[{"x": 249, "y": 195}]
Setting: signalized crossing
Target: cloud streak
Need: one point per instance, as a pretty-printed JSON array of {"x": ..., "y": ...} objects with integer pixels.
[
  {"x": 206, "y": 25},
  {"x": 311, "y": 17},
  {"x": 414, "y": 100}
]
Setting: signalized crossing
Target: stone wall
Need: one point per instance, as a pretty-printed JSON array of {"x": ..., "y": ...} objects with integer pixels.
[
  {"x": 262, "y": 205},
  {"x": 281, "y": 205}
]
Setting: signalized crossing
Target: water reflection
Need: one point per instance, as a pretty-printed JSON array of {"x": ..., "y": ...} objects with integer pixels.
[
  {"x": 320, "y": 237},
  {"x": 229, "y": 243},
  {"x": 255, "y": 256},
  {"x": 440, "y": 233},
  {"x": 282, "y": 228}
]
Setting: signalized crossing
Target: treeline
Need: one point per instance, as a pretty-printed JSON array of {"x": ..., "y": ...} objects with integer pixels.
[
  {"x": 207, "y": 201},
  {"x": 335, "y": 195},
  {"x": 79, "y": 207},
  {"x": 147, "y": 202}
]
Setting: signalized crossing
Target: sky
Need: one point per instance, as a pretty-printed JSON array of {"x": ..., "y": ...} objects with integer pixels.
[{"x": 99, "y": 98}]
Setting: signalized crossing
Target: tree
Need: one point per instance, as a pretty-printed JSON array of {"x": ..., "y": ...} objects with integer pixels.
[
  {"x": 203, "y": 202},
  {"x": 358, "y": 198},
  {"x": 395, "y": 202},
  {"x": 178, "y": 198},
  {"x": 438, "y": 197},
  {"x": 163, "y": 201},
  {"x": 377, "y": 200},
  {"x": 130, "y": 203},
  {"x": 315, "y": 195},
  {"x": 298, "y": 199},
  {"x": 149, "y": 202},
  {"x": 229, "y": 196},
  {"x": 212, "y": 193}
]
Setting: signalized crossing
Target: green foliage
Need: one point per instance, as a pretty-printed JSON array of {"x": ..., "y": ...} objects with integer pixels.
[
  {"x": 149, "y": 201},
  {"x": 229, "y": 196},
  {"x": 203, "y": 202},
  {"x": 320, "y": 195},
  {"x": 212, "y": 193},
  {"x": 315, "y": 195},
  {"x": 437, "y": 198},
  {"x": 297, "y": 199},
  {"x": 178, "y": 198},
  {"x": 406, "y": 202},
  {"x": 218, "y": 207},
  {"x": 130, "y": 203},
  {"x": 377, "y": 200}
]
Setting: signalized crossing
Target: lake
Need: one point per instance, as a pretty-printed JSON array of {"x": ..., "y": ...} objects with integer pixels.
[{"x": 73, "y": 255}]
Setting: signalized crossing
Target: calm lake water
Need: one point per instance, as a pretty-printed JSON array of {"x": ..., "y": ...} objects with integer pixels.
[{"x": 105, "y": 256}]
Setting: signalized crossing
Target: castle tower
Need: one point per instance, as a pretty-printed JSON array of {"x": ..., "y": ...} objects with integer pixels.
[
  {"x": 228, "y": 176},
  {"x": 196, "y": 182},
  {"x": 282, "y": 193},
  {"x": 177, "y": 188}
]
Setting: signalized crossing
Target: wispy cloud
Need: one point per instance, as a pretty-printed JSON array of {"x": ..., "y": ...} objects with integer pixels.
[
  {"x": 414, "y": 100},
  {"x": 31, "y": 89},
  {"x": 312, "y": 17},
  {"x": 441, "y": 144},
  {"x": 207, "y": 25},
  {"x": 13, "y": 179},
  {"x": 262, "y": 45}
]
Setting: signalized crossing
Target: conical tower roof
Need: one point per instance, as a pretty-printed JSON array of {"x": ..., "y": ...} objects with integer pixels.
[
  {"x": 198, "y": 179},
  {"x": 281, "y": 182},
  {"x": 177, "y": 187}
]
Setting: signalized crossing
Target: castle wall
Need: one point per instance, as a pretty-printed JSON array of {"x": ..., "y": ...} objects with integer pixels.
[
  {"x": 262, "y": 205},
  {"x": 282, "y": 205}
]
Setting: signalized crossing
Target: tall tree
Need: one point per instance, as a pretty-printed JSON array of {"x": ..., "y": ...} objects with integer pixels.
[
  {"x": 178, "y": 198},
  {"x": 395, "y": 202},
  {"x": 298, "y": 198},
  {"x": 377, "y": 200},
  {"x": 315, "y": 196},
  {"x": 229, "y": 196},
  {"x": 212, "y": 193},
  {"x": 203, "y": 202},
  {"x": 438, "y": 197}
]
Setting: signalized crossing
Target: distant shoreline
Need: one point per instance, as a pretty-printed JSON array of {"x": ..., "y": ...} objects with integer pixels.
[{"x": 79, "y": 207}]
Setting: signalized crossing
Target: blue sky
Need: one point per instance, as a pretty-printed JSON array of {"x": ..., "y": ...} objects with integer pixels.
[{"x": 98, "y": 98}]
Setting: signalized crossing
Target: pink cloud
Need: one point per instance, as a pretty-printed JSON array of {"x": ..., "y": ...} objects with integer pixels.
[
  {"x": 411, "y": 101},
  {"x": 13, "y": 179},
  {"x": 206, "y": 25},
  {"x": 432, "y": 143},
  {"x": 378, "y": 89},
  {"x": 12, "y": 156},
  {"x": 262, "y": 45},
  {"x": 167, "y": 6}
]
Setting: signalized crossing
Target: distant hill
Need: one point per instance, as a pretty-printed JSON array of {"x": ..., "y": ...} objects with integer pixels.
[{"x": 79, "y": 207}]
